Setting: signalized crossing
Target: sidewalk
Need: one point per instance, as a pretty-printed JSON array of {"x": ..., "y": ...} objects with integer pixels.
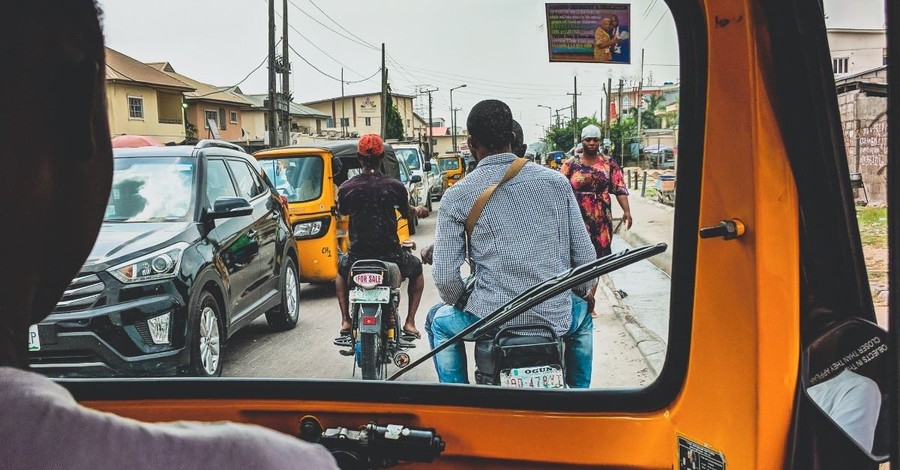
[{"x": 653, "y": 223}]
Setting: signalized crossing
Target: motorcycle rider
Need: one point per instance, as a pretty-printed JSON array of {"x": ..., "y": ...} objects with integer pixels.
[
  {"x": 508, "y": 248},
  {"x": 370, "y": 199}
]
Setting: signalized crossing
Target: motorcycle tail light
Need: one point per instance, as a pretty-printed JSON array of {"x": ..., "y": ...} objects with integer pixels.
[{"x": 369, "y": 321}]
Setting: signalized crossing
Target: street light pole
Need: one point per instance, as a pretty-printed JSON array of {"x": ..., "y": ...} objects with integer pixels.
[
  {"x": 453, "y": 117},
  {"x": 551, "y": 112}
]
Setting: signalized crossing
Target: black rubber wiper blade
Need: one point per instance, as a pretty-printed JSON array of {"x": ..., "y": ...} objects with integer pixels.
[{"x": 534, "y": 295}]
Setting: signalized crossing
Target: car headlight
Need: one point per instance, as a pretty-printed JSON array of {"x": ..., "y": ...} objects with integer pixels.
[
  {"x": 161, "y": 264},
  {"x": 310, "y": 228}
]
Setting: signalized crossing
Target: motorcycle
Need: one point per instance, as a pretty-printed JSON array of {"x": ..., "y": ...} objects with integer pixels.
[
  {"x": 530, "y": 356},
  {"x": 374, "y": 294}
]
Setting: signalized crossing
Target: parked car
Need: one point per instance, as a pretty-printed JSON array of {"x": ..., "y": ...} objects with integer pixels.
[
  {"x": 439, "y": 181},
  {"x": 418, "y": 164},
  {"x": 416, "y": 189},
  {"x": 195, "y": 245}
]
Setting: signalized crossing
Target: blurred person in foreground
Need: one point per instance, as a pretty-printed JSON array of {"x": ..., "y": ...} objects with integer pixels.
[{"x": 56, "y": 59}]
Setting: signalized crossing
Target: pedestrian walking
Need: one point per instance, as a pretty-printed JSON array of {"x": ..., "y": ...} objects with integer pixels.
[{"x": 594, "y": 175}]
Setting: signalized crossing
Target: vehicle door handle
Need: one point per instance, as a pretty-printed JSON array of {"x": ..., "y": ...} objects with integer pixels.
[{"x": 727, "y": 229}]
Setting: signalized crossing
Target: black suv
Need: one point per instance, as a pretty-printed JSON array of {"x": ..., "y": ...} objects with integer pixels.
[{"x": 195, "y": 245}]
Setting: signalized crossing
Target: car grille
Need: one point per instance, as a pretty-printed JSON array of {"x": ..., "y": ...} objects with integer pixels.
[{"x": 82, "y": 293}]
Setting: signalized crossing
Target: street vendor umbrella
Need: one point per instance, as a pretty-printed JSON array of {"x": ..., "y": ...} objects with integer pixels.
[{"x": 131, "y": 141}]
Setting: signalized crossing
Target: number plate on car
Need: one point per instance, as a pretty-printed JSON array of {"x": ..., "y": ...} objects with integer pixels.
[
  {"x": 377, "y": 295},
  {"x": 550, "y": 376},
  {"x": 34, "y": 339}
]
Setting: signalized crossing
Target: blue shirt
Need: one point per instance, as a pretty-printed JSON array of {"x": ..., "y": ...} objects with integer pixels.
[{"x": 516, "y": 243}]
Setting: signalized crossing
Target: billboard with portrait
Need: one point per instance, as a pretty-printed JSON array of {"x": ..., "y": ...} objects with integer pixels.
[{"x": 589, "y": 32}]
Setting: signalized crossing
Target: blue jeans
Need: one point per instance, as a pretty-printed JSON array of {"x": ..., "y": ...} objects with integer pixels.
[{"x": 444, "y": 321}]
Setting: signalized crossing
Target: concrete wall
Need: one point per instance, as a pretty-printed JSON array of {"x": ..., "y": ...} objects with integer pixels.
[
  {"x": 863, "y": 48},
  {"x": 864, "y": 121},
  {"x": 197, "y": 116},
  {"x": 120, "y": 123},
  {"x": 254, "y": 124}
]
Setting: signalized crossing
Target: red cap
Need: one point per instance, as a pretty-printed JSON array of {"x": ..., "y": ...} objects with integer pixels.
[{"x": 370, "y": 145}]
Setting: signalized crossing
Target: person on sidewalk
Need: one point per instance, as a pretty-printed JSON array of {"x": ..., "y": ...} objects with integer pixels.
[
  {"x": 508, "y": 248},
  {"x": 371, "y": 199},
  {"x": 66, "y": 180},
  {"x": 593, "y": 176}
]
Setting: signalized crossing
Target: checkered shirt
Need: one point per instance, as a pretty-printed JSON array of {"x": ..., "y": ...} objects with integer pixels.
[{"x": 530, "y": 230}]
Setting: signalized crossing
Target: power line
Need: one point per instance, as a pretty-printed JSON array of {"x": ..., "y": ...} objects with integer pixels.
[
  {"x": 657, "y": 24},
  {"x": 340, "y": 25},
  {"x": 265, "y": 59},
  {"x": 369, "y": 46},
  {"x": 329, "y": 75}
]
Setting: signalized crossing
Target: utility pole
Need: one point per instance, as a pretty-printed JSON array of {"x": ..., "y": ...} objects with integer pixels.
[
  {"x": 285, "y": 77},
  {"x": 384, "y": 95},
  {"x": 453, "y": 116},
  {"x": 558, "y": 123},
  {"x": 273, "y": 127},
  {"x": 619, "y": 118},
  {"x": 430, "y": 121},
  {"x": 575, "y": 111},
  {"x": 640, "y": 100},
  {"x": 609, "y": 106},
  {"x": 343, "y": 106}
]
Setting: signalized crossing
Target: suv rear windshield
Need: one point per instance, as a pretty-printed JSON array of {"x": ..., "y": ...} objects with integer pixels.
[
  {"x": 151, "y": 189},
  {"x": 410, "y": 156}
]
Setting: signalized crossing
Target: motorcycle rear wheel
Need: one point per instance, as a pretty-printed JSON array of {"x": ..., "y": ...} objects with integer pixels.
[{"x": 372, "y": 352}]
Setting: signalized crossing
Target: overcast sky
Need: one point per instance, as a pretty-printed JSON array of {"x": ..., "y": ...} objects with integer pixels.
[{"x": 497, "y": 48}]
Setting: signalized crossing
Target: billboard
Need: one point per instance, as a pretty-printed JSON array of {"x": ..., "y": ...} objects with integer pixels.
[{"x": 589, "y": 32}]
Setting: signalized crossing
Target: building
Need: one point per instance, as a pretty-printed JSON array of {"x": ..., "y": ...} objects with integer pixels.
[
  {"x": 856, "y": 50},
  {"x": 862, "y": 101},
  {"x": 668, "y": 93},
  {"x": 305, "y": 122},
  {"x": 212, "y": 112},
  {"x": 355, "y": 115},
  {"x": 142, "y": 100}
]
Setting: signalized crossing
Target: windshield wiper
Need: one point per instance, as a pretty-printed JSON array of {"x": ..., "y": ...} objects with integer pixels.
[{"x": 538, "y": 293}]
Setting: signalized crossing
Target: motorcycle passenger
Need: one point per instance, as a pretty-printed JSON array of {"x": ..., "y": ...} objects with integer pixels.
[
  {"x": 370, "y": 199},
  {"x": 509, "y": 248}
]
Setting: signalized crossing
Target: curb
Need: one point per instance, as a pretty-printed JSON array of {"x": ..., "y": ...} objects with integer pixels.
[
  {"x": 651, "y": 347},
  {"x": 663, "y": 260}
]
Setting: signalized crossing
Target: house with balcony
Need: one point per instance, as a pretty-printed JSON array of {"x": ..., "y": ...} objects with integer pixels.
[
  {"x": 142, "y": 100},
  {"x": 212, "y": 112},
  {"x": 355, "y": 115}
]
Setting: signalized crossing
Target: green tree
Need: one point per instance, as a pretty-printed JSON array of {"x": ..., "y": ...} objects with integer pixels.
[
  {"x": 393, "y": 128},
  {"x": 649, "y": 119},
  {"x": 563, "y": 137}
]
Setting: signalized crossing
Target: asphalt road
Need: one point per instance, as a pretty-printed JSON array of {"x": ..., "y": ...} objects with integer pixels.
[{"x": 307, "y": 351}]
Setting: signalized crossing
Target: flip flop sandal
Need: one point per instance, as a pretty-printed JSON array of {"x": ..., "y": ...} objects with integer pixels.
[{"x": 411, "y": 334}]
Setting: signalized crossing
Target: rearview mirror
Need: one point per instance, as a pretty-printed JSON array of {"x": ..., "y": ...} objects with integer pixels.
[
  {"x": 227, "y": 207},
  {"x": 427, "y": 166},
  {"x": 846, "y": 384},
  {"x": 416, "y": 178}
]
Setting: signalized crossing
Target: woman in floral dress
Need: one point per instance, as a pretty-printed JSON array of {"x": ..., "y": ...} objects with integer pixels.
[{"x": 593, "y": 177}]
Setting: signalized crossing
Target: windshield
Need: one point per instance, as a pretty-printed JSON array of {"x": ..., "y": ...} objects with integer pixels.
[
  {"x": 449, "y": 164},
  {"x": 299, "y": 179},
  {"x": 426, "y": 117},
  {"x": 158, "y": 189},
  {"x": 410, "y": 156}
]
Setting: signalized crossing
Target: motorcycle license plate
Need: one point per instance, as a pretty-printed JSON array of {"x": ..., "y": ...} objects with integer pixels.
[
  {"x": 550, "y": 376},
  {"x": 375, "y": 295}
]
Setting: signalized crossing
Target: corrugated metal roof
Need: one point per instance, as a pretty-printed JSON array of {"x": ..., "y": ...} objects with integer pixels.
[
  {"x": 120, "y": 67},
  {"x": 203, "y": 91},
  {"x": 258, "y": 101}
]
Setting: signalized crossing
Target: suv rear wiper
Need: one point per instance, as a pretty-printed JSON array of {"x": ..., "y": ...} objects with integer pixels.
[{"x": 556, "y": 285}]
